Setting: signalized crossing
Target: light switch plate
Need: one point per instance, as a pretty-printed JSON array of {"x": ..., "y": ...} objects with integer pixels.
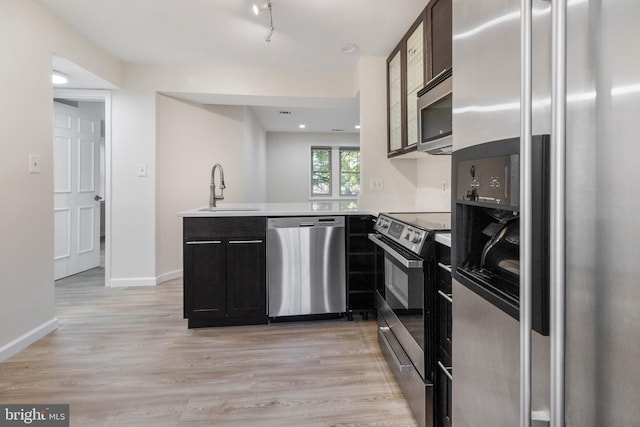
[
  {"x": 34, "y": 163},
  {"x": 376, "y": 184},
  {"x": 142, "y": 169}
]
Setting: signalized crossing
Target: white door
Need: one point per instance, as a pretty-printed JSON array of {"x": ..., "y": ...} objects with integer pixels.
[{"x": 76, "y": 144}]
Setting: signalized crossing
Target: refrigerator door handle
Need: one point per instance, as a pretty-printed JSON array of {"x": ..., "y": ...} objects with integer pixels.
[
  {"x": 526, "y": 47},
  {"x": 558, "y": 211}
]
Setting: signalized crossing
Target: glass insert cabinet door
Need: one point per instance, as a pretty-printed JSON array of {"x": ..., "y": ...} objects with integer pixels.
[
  {"x": 395, "y": 102},
  {"x": 415, "y": 80}
]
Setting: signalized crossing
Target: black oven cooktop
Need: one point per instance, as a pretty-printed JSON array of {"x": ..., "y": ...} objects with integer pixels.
[
  {"x": 410, "y": 229},
  {"x": 429, "y": 221}
]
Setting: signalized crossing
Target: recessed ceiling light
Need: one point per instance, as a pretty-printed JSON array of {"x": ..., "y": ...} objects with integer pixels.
[
  {"x": 357, "y": 126},
  {"x": 349, "y": 48},
  {"x": 302, "y": 126},
  {"x": 58, "y": 78}
]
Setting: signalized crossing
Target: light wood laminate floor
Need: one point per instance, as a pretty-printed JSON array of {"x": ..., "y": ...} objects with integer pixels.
[{"x": 124, "y": 357}]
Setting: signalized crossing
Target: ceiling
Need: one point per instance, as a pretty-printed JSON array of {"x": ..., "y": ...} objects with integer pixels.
[{"x": 309, "y": 35}]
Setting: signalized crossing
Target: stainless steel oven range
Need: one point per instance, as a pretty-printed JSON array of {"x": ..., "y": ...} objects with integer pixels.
[{"x": 406, "y": 316}]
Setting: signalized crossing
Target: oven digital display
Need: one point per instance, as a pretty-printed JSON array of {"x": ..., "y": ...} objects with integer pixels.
[{"x": 395, "y": 230}]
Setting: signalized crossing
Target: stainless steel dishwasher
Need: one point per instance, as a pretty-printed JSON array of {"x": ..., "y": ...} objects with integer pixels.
[{"x": 306, "y": 265}]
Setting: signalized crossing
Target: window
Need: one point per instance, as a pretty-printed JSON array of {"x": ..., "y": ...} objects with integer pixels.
[
  {"x": 349, "y": 172},
  {"x": 320, "y": 171},
  {"x": 344, "y": 183}
]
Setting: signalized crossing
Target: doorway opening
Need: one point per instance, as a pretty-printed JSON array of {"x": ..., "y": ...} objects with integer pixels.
[{"x": 82, "y": 152}]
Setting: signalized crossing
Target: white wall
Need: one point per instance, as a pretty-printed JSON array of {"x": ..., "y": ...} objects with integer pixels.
[
  {"x": 191, "y": 138},
  {"x": 289, "y": 161},
  {"x": 434, "y": 174},
  {"x": 28, "y": 37},
  {"x": 399, "y": 176},
  {"x": 133, "y": 218},
  {"x": 255, "y": 157}
]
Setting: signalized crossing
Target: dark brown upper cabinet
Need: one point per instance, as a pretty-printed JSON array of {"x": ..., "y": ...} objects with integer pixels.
[
  {"x": 439, "y": 36},
  {"x": 406, "y": 75},
  {"x": 423, "y": 52}
]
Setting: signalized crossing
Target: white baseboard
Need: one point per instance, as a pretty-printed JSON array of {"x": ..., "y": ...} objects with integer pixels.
[
  {"x": 133, "y": 281},
  {"x": 168, "y": 276},
  {"x": 24, "y": 341},
  {"x": 144, "y": 281}
]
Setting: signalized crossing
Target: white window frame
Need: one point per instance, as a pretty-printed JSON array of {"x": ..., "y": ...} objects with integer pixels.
[
  {"x": 331, "y": 172},
  {"x": 335, "y": 172}
]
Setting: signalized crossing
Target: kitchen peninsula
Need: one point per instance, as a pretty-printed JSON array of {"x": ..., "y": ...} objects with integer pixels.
[
  {"x": 348, "y": 207},
  {"x": 319, "y": 263}
]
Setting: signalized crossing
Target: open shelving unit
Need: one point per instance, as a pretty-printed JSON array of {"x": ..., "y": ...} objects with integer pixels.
[{"x": 364, "y": 266}]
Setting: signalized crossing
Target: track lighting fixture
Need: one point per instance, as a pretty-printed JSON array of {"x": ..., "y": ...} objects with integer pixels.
[{"x": 257, "y": 9}]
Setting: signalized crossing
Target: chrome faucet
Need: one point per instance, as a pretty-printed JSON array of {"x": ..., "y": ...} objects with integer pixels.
[{"x": 212, "y": 194}]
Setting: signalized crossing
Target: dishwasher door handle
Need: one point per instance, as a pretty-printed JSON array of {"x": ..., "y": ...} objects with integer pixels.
[{"x": 306, "y": 224}]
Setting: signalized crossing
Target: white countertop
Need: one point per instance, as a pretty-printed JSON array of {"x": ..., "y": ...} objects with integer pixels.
[
  {"x": 444, "y": 238},
  {"x": 278, "y": 209}
]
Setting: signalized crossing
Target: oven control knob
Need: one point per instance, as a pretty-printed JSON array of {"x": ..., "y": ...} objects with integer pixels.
[{"x": 416, "y": 239}]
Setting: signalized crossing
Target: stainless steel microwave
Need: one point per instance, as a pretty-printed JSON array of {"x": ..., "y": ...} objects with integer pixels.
[{"x": 435, "y": 115}]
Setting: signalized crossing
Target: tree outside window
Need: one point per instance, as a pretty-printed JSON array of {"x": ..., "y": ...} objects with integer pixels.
[
  {"x": 344, "y": 183},
  {"x": 321, "y": 171},
  {"x": 349, "y": 172}
]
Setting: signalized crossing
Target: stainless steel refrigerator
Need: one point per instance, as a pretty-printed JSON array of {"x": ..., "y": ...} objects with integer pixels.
[{"x": 600, "y": 255}]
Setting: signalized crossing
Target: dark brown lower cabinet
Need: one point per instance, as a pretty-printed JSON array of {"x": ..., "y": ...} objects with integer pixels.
[
  {"x": 443, "y": 334},
  {"x": 225, "y": 271},
  {"x": 246, "y": 279}
]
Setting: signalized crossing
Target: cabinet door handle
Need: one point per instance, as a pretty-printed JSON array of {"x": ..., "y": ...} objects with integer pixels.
[
  {"x": 445, "y": 370},
  {"x": 204, "y": 242},
  {"x": 240, "y": 242},
  {"x": 444, "y": 267},
  {"x": 445, "y": 296}
]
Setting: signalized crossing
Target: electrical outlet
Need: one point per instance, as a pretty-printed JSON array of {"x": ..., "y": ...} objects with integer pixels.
[
  {"x": 34, "y": 163},
  {"x": 142, "y": 169},
  {"x": 376, "y": 184}
]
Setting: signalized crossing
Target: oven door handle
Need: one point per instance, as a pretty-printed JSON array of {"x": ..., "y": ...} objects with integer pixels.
[
  {"x": 402, "y": 361},
  {"x": 407, "y": 263}
]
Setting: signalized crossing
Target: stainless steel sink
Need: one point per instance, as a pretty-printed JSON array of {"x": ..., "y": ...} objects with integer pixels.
[{"x": 228, "y": 209}]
